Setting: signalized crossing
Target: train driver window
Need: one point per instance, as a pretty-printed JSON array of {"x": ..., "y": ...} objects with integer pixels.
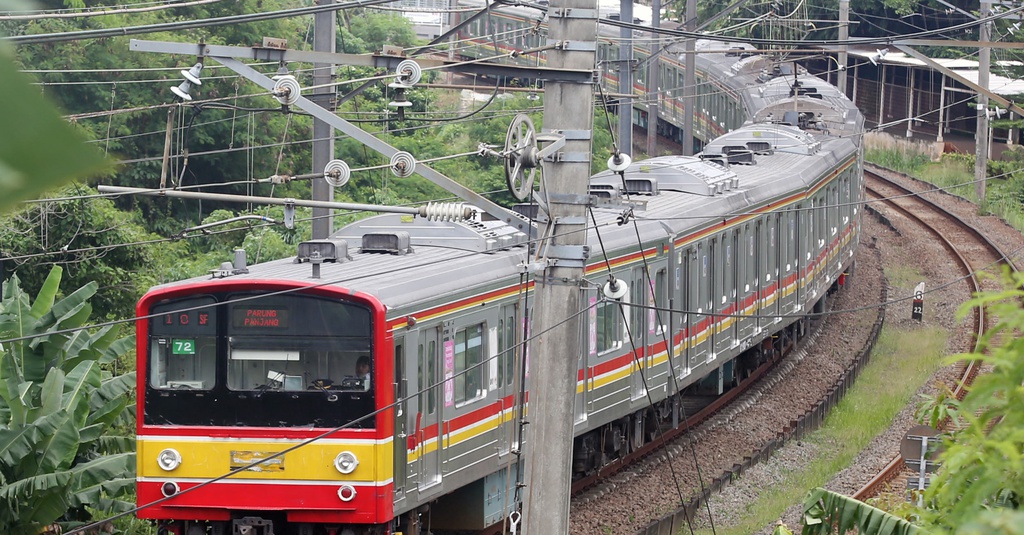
[
  {"x": 183, "y": 345},
  {"x": 180, "y": 363},
  {"x": 305, "y": 366}
]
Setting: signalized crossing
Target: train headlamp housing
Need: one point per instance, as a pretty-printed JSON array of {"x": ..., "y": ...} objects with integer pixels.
[
  {"x": 168, "y": 459},
  {"x": 346, "y": 462}
]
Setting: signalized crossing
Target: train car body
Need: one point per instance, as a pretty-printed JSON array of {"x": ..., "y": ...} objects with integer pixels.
[
  {"x": 722, "y": 100},
  {"x": 255, "y": 417}
]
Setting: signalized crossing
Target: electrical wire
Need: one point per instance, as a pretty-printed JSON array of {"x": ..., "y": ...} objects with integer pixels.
[
  {"x": 270, "y": 15},
  {"x": 59, "y": 37},
  {"x": 438, "y": 383},
  {"x": 100, "y": 11}
]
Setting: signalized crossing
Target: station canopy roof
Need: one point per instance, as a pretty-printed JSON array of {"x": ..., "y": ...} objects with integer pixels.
[{"x": 999, "y": 82}]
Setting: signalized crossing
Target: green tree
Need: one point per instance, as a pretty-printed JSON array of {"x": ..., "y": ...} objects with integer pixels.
[
  {"x": 86, "y": 237},
  {"x": 60, "y": 409},
  {"x": 980, "y": 483},
  {"x": 44, "y": 151}
]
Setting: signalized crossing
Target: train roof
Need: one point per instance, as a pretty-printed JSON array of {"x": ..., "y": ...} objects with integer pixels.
[
  {"x": 796, "y": 134},
  {"x": 423, "y": 260}
]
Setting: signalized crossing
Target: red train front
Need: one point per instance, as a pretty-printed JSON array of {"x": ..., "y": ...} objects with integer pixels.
[{"x": 239, "y": 377}]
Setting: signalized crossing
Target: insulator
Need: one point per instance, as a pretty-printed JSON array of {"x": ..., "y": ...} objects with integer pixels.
[
  {"x": 446, "y": 211},
  {"x": 337, "y": 173},
  {"x": 403, "y": 164},
  {"x": 619, "y": 162},
  {"x": 408, "y": 72},
  {"x": 287, "y": 89}
]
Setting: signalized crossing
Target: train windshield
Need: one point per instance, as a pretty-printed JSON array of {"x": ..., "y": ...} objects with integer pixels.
[{"x": 260, "y": 360}]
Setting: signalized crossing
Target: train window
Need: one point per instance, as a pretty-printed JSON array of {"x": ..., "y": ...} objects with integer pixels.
[
  {"x": 502, "y": 352},
  {"x": 609, "y": 326},
  {"x": 638, "y": 296},
  {"x": 284, "y": 355},
  {"x": 508, "y": 342},
  {"x": 296, "y": 344},
  {"x": 400, "y": 379},
  {"x": 183, "y": 363},
  {"x": 183, "y": 345},
  {"x": 469, "y": 353},
  {"x": 427, "y": 354},
  {"x": 661, "y": 298}
]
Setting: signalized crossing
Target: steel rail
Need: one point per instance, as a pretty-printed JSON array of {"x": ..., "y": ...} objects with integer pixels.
[{"x": 895, "y": 467}]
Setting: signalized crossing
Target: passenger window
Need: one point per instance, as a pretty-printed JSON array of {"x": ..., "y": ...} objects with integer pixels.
[
  {"x": 469, "y": 352},
  {"x": 609, "y": 326}
]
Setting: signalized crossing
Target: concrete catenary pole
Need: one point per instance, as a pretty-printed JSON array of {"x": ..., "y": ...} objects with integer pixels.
[
  {"x": 653, "y": 91},
  {"x": 568, "y": 108},
  {"x": 323, "y": 133},
  {"x": 844, "y": 36},
  {"x": 625, "y": 65},
  {"x": 689, "y": 78},
  {"x": 981, "y": 140}
]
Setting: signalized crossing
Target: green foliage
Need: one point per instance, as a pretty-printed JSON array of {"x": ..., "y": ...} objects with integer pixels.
[
  {"x": 827, "y": 512},
  {"x": 58, "y": 405},
  {"x": 904, "y": 162},
  {"x": 85, "y": 237},
  {"x": 368, "y": 31},
  {"x": 982, "y": 466},
  {"x": 45, "y": 151}
]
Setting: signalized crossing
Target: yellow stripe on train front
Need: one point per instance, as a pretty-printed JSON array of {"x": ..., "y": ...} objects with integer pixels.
[{"x": 212, "y": 457}]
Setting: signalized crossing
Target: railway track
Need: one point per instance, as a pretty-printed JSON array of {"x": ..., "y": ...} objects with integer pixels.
[{"x": 972, "y": 251}]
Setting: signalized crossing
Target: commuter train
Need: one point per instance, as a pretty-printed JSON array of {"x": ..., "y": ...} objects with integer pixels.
[
  {"x": 718, "y": 107},
  {"x": 255, "y": 419}
]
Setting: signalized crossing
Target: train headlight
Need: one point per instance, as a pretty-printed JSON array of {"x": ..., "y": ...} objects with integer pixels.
[
  {"x": 169, "y": 459},
  {"x": 346, "y": 462},
  {"x": 347, "y": 493}
]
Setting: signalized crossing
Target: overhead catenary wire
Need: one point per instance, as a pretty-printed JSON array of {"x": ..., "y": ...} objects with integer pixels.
[
  {"x": 339, "y": 428},
  {"x": 270, "y": 15},
  {"x": 18, "y": 258},
  {"x": 101, "y": 11}
]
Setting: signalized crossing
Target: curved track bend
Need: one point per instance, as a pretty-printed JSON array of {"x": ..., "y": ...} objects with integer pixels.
[{"x": 971, "y": 250}]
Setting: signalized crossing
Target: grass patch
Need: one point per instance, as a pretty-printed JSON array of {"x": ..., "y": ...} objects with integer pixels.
[
  {"x": 1004, "y": 194},
  {"x": 902, "y": 361},
  {"x": 903, "y": 277}
]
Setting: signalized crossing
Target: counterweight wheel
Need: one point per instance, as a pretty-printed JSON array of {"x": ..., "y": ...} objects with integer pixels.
[{"x": 521, "y": 160}]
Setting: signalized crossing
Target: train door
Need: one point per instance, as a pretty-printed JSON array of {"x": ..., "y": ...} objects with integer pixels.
[
  {"x": 791, "y": 260},
  {"x": 638, "y": 329},
  {"x": 428, "y": 430},
  {"x": 676, "y": 327},
  {"x": 725, "y": 291},
  {"x": 688, "y": 300},
  {"x": 746, "y": 286},
  {"x": 768, "y": 271},
  {"x": 582, "y": 385},
  {"x": 401, "y": 410},
  {"x": 702, "y": 321},
  {"x": 506, "y": 375},
  {"x": 832, "y": 212},
  {"x": 659, "y": 334}
]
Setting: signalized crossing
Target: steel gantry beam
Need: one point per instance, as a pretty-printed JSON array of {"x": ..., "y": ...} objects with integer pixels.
[
  {"x": 349, "y": 129},
  {"x": 382, "y": 61}
]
